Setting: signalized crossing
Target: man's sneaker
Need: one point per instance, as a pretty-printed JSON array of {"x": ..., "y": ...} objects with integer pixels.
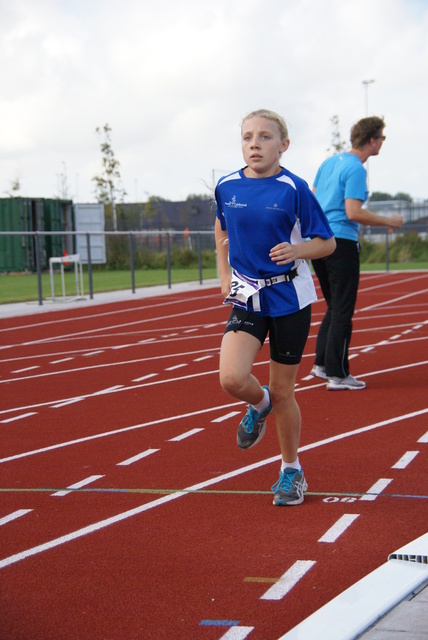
[
  {"x": 253, "y": 426},
  {"x": 290, "y": 487},
  {"x": 318, "y": 371},
  {"x": 338, "y": 384}
]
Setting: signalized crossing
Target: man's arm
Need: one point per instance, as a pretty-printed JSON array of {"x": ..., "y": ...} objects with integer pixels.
[{"x": 356, "y": 213}]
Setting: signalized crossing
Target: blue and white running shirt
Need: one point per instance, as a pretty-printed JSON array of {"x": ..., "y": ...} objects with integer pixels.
[{"x": 258, "y": 214}]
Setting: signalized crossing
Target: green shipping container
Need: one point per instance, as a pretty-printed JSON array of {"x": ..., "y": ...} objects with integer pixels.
[
  {"x": 15, "y": 251},
  {"x": 18, "y": 252}
]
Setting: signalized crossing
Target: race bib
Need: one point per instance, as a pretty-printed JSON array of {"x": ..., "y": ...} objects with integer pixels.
[{"x": 241, "y": 288}]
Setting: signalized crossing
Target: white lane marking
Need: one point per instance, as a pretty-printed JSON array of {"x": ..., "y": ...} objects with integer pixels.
[
  {"x": 203, "y": 358},
  {"x": 107, "y": 390},
  {"x": 231, "y": 414},
  {"x": 116, "y": 312},
  {"x": 160, "y": 501},
  {"x": 186, "y": 377},
  {"x": 60, "y": 361},
  {"x": 376, "y": 489},
  {"x": 392, "y": 301},
  {"x": 92, "y": 353},
  {"x": 134, "y": 427},
  {"x": 139, "y": 456},
  {"x": 405, "y": 460},
  {"x": 185, "y": 435},
  {"x": 182, "y": 354},
  {"x": 237, "y": 633},
  {"x": 66, "y": 402},
  {"x": 77, "y": 485},
  {"x": 14, "y": 516},
  {"x": 149, "y": 375},
  {"x": 27, "y": 369},
  {"x": 339, "y": 527},
  {"x": 176, "y": 366},
  {"x": 288, "y": 580},
  {"x": 20, "y": 417},
  {"x": 116, "y": 432},
  {"x": 424, "y": 439}
]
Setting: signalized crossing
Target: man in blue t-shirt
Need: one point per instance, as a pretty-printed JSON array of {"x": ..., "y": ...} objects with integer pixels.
[{"x": 340, "y": 186}]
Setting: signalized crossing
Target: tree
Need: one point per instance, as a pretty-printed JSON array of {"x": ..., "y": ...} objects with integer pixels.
[
  {"x": 199, "y": 196},
  {"x": 380, "y": 196},
  {"x": 108, "y": 187},
  {"x": 63, "y": 188},
  {"x": 15, "y": 187},
  {"x": 403, "y": 196},
  {"x": 152, "y": 208},
  {"x": 337, "y": 144}
]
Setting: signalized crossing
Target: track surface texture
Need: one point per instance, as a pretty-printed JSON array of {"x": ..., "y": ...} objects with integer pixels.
[{"x": 128, "y": 512}]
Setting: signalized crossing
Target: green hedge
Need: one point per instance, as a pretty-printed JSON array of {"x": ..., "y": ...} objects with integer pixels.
[
  {"x": 153, "y": 257},
  {"x": 402, "y": 248}
]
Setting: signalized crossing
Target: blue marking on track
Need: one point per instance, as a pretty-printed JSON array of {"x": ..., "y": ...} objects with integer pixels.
[{"x": 219, "y": 623}]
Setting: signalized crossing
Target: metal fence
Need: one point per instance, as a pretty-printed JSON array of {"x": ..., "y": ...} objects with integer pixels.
[
  {"x": 155, "y": 241},
  {"x": 165, "y": 241}
]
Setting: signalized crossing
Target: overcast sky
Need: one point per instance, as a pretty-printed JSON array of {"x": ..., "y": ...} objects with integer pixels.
[{"x": 174, "y": 78}]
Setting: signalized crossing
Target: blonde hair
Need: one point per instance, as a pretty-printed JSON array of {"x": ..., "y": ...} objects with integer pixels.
[{"x": 270, "y": 115}]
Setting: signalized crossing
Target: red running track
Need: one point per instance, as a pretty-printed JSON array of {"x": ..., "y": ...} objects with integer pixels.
[{"x": 127, "y": 510}]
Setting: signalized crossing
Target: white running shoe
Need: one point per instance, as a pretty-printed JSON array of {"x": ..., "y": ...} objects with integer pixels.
[
  {"x": 339, "y": 384},
  {"x": 318, "y": 371}
]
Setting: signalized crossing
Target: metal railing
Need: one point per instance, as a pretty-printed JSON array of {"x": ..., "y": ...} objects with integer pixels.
[{"x": 166, "y": 236}]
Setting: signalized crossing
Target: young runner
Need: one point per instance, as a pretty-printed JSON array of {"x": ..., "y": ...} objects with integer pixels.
[{"x": 268, "y": 224}]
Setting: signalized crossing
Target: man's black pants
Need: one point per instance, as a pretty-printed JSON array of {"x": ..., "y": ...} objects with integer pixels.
[{"x": 338, "y": 275}]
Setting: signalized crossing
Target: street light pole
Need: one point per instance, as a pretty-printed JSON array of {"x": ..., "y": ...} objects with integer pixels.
[{"x": 366, "y": 84}]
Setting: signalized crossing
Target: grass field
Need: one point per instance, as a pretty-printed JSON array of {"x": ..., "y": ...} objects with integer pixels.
[{"x": 24, "y": 288}]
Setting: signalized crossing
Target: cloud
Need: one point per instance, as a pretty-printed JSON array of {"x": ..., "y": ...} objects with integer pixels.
[{"x": 173, "y": 80}]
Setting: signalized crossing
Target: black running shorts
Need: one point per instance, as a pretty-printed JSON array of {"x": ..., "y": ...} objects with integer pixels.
[{"x": 287, "y": 334}]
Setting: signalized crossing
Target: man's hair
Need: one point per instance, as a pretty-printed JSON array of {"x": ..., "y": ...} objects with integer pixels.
[
  {"x": 366, "y": 129},
  {"x": 270, "y": 115}
]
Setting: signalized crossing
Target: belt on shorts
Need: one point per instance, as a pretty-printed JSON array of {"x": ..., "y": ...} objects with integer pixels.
[
  {"x": 243, "y": 288},
  {"x": 286, "y": 277}
]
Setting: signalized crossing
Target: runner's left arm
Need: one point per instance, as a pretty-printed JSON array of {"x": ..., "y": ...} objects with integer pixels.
[{"x": 284, "y": 253}]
